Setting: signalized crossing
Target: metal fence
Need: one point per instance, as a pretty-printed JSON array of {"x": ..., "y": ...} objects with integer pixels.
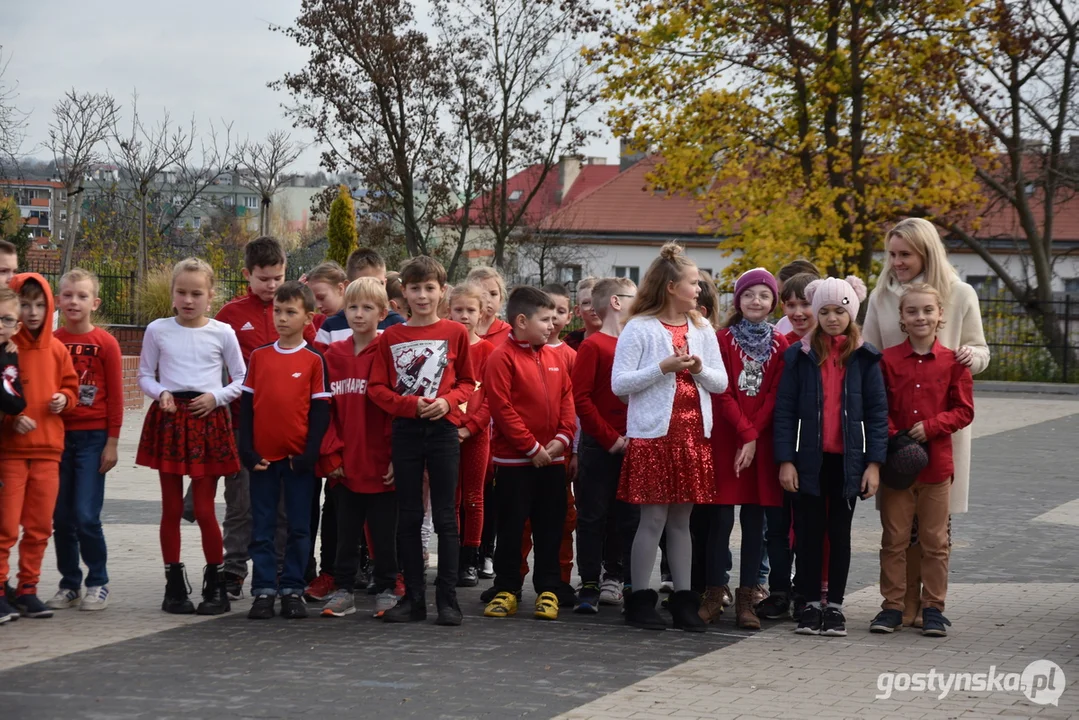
[{"x": 1020, "y": 351}]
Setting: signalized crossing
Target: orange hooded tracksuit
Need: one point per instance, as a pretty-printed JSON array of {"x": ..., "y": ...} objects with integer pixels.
[{"x": 30, "y": 463}]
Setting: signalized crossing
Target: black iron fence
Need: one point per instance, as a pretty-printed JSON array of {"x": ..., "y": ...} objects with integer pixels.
[{"x": 1024, "y": 349}]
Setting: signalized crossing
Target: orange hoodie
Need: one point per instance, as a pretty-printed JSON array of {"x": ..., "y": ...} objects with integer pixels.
[{"x": 46, "y": 369}]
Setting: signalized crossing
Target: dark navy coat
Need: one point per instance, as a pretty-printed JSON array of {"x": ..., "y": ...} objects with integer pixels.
[{"x": 797, "y": 419}]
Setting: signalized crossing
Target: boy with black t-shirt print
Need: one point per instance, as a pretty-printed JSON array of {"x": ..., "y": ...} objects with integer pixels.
[{"x": 422, "y": 370}]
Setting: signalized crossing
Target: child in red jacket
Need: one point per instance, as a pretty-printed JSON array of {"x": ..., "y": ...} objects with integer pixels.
[
  {"x": 531, "y": 403},
  {"x": 360, "y": 473}
]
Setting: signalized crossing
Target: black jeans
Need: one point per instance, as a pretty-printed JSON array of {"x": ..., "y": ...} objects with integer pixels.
[
  {"x": 325, "y": 511},
  {"x": 536, "y": 494},
  {"x": 432, "y": 445},
  {"x": 379, "y": 512},
  {"x": 596, "y": 487},
  {"x": 828, "y": 513},
  {"x": 777, "y": 534},
  {"x": 751, "y": 518}
]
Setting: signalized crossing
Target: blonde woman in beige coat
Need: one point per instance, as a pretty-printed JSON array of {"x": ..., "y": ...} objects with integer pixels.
[{"x": 915, "y": 253}]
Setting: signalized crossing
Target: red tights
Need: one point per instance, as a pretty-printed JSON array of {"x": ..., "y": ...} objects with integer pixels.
[
  {"x": 473, "y": 470},
  {"x": 203, "y": 490}
]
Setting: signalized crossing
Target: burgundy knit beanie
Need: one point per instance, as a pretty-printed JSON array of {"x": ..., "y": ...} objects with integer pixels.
[{"x": 756, "y": 276}]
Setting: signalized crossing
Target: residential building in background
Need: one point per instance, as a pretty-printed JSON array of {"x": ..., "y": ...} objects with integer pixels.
[{"x": 41, "y": 205}]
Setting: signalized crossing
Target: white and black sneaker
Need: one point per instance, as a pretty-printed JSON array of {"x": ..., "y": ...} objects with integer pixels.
[
  {"x": 63, "y": 599},
  {"x": 810, "y": 624},
  {"x": 833, "y": 623}
]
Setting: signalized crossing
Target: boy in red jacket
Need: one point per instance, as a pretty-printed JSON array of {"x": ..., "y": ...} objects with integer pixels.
[
  {"x": 422, "y": 370},
  {"x": 91, "y": 433},
  {"x": 930, "y": 396},
  {"x": 359, "y": 472},
  {"x": 531, "y": 403}
]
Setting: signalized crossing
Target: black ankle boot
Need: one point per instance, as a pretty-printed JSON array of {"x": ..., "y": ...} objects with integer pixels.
[
  {"x": 215, "y": 599},
  {"x": 684, "y": 605},
  {"x": 467, "y": 573},
  {"x": 176, "y": 591},
  {"x": 641, "y": 610},
  {"x": 406, "y": 610}
]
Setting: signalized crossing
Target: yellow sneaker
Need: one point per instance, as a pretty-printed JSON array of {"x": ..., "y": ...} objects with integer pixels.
[
  {"x": 547, "y": 606},
  {"x": 503, "y": 605}
]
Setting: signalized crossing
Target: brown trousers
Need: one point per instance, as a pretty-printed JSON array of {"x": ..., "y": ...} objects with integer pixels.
[{"x": 929, "y": 501}]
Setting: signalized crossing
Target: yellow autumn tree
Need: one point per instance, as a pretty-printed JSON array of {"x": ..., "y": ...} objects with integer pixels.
[{"x": 803, "y": 128}]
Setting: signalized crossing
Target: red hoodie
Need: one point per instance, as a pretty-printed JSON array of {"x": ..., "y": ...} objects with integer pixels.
[
  {"x": 531, "y": 402},
  {"x": 45, "y": 369},
  {"x": 366, "y": 457},
  {"x": 252, "y": 319}
]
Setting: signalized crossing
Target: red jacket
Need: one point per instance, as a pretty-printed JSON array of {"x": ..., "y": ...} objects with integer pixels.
[
  {"x": 602, "y": 413},
  {"x": 353, "y": 416},
  {"x": 252, "y": 319},
  {"x": 932, "y": 389},
  {"x": 531, "y": 401},
  {"x": 474, "y": 414},
  {"x": 498, "y": 332}
]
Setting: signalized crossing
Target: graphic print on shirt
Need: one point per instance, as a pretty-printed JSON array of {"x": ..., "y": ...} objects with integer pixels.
[
  {"x": 419, "y": 365},
  {"x": 83, "y": 357},
  {"x": 11, "y": 376}
]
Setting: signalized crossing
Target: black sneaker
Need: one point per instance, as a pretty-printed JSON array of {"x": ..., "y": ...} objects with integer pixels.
[
  {"x": 469, "y": 576},
  {"x": 810, "y": 624},
  {"x": 234, "y": 585},
  {"x": 7, "y": 613},
  {"x": 833, "y": 623},
  {"x": 588, "y": 599},
  {"x": 406, "y": 611},
  {"x": 449, "y": 614},
  {"x": 30, "y": 606},
  {"x": 262, "y": 608},
  {"x": 886, "y": 621},
  {"x": 293, "y": 607},
  {"x": 934, "y": 623},
  {"x": 798, "y": 606},
  {"x": 774, "y": 607}
]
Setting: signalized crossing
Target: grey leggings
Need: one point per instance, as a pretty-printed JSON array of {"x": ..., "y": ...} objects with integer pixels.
[{"x": 646, "y": 544}]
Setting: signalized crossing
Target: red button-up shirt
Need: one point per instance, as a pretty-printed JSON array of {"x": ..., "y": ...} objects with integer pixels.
[{"x": 935, "y": 390}]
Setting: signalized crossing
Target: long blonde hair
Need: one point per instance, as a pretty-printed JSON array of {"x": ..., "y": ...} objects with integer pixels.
[
  {"x": 652, "y": 294},
  {"x": 923, "y": 237}
]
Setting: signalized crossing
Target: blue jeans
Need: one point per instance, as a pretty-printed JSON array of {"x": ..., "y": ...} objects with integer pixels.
[
  {"x": 267, "y": 487},
  {"x": 77, "y": 518}
]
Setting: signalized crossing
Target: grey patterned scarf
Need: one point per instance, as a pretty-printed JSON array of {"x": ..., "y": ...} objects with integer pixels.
[{"x": 755, "y": 339}]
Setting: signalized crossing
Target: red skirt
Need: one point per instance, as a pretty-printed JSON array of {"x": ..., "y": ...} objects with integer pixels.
[
  {"x": 183, "y": 444},
  {"x": 675, "y": 468}
]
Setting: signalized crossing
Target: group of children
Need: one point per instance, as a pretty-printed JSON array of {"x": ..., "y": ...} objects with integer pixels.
[{"x": 642, "y": 430}]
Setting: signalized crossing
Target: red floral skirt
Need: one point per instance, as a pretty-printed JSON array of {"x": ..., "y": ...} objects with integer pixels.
[
  {"x": 183, "y": 444},
  {"x": 675, "y": 468}
]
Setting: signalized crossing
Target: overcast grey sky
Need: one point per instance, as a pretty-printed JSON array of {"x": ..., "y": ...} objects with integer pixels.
[{"x": 210, "y": 58}]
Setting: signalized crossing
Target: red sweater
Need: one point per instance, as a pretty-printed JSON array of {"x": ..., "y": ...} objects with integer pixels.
[
  {"x": 932, "y": 389},
  {"x": 567, "y": 356},
  {"x": 474, "y": 414},
  {"x": 366, "y": 458},
  {"x": 419, "y": 363},
  {"x": 252, "y": 319},
  {"x": 602, "y": 413},
  {"x": 531, "y": 402},
  {"x": 99, "y": 365},
  {"x": 831, "y": 378}
]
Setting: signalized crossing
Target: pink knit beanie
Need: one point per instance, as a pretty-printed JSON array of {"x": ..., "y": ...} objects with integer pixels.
[
  {"x": 756, "y": 276},
  {"x": 847, "y": 294}
]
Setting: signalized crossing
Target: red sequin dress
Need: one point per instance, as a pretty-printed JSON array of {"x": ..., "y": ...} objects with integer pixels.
[{"x": 675, "y": 468}]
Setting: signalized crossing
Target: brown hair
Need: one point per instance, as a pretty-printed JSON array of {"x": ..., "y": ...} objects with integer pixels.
[
  {"x": 709, "y": 298},
  {"x": 822, "y": 343},
  {"x": 526, "y": 300},
  {"x": 295, "y": 290},
  {"x": 31, "y": 289},
  {"x": 797, "y": 267},
  {"x": 393, "y": 286},
  {"x": 8, "y": 295},
  {"x": 795, "y": 286},
  {"x": 75, "y": 275},
  {"x": 664, "y": 270},
  {"x": 588, "y": 283},
  {"x": 8, "y": 248},
  {"x": 361, "y": 259},
  {"x": 479, "y": 274},
  {"x": 605, "y": 289},
  {"x": 921, "y": 289},
  {"x": 421, "y": 269},
  {"x": 554, "y": 289},
  {"x": 196, "y": 265},
  {"x": 467, "y": 290},
  {"x": 264, "y": 251},
  {"x": 327, "y": 272}
]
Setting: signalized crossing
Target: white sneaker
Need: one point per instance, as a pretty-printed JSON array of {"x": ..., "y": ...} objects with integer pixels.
[
  {"x": 63, "y": 599},
  {"x": 610, "y": 592},
  {"x": 488, "y": 567},
  {"x": 97, "y": 598}
]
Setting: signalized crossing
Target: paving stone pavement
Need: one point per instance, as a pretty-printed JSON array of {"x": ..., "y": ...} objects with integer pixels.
[{"x": 1015, "y": 587}]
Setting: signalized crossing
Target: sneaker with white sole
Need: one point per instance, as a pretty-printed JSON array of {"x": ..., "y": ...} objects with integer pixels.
[
  {"x": 63, "y": 599},
  {"x": 384, "y": 601},
  {"x": 610, "y": 592},
  {"x": 97, "y": 598},
  {"x": 342, "y": 602}
]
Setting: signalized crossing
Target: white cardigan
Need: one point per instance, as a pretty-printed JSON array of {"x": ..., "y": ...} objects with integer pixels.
[{"x": 648, "y": 391}]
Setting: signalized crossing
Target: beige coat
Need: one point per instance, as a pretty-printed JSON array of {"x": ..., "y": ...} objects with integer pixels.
[{"x": 962, "y": 326}]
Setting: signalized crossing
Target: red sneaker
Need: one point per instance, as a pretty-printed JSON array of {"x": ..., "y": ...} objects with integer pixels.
[{"x": 321, "y": 588}]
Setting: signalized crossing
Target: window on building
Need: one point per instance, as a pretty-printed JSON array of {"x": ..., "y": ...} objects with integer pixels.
[
  {"x": 628, "y": 271},
  {"x": 515, "y": 196},
  {"x": 568, "y": 274},
  {"x": 228, "y": 200},
  {"x": 251, "y": 202},
  {"x": 987, "y": 286},
  {"x": 196, "y": 222}
]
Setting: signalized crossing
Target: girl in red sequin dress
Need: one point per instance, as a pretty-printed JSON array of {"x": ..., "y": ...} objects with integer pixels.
[{"x": 666, "y": 364}]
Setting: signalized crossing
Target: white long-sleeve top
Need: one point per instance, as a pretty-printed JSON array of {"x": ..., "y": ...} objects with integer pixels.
[
  {"x": 649, "y": 392},
  {"x": 182, "y": 359}
]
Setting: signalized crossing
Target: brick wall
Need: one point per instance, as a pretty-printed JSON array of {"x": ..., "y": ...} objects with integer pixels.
[
  {"x": 129, "y": 337},
  {"x": 132, "y": 394}
]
